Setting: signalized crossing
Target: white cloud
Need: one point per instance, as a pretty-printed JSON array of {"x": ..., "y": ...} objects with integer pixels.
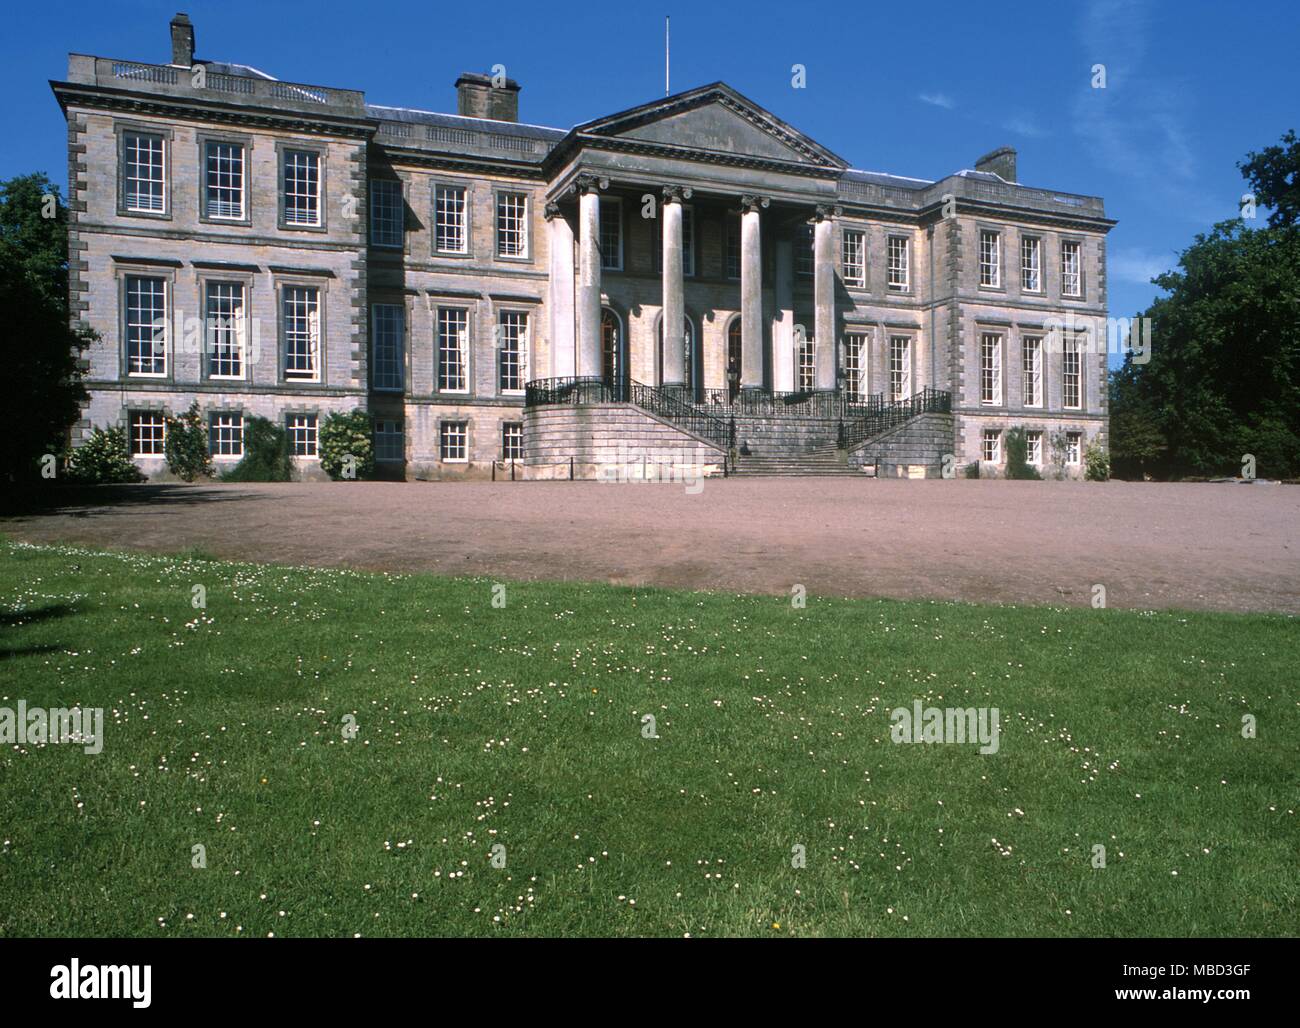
[
  {"x": 1024, "y": 125},
  {"x": 938, "y": 100}
]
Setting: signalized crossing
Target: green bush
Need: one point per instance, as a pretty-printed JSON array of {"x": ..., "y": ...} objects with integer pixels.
[
  {"x": 1058, "y": 446},
  {"x": 103, "y": 458},
  {"x": 346, "y": 445},
  {"x": 186, "y": 448},
  {"x": 1096, "y": 463},
  {"x": 973, "y": 469},
  {"x": 266, "y": 454},
  {"x": 1018, "y": 465}
]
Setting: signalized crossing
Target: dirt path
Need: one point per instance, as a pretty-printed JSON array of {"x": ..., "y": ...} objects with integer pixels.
[{"x": 1220, "y": 547}]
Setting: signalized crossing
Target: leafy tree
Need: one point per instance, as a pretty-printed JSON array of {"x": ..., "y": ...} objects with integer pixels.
[
  {"x": 1096, "y": 463},
  {"x": 103, "y": 458},
  {"x": 1274, "y": 177},
  {"x": 347, "y": 445},
  {"x": 186, "y": 446},
  {"x": 1223, "y": 379},
  {"x": 42, "y": 350},
  {"x": 1018, "y": 465},
  {"x": 266, "y": 454}
]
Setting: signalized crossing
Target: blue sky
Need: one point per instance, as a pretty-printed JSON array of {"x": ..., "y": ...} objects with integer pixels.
[{"x": 1191, "y": 85}]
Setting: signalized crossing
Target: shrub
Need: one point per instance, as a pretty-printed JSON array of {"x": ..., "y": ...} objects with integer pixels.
[
  {"x": 346, "y": 445},
  {"x": 266, "y": 454},
  {"x": 973, "y": 469},
  {"x": 1096, "y": 462},
  {"x": 103, "y": 458},
  {"x": 1018, "y": 465},
  {"x": 186, "y": 448},
  {"x": 1058, "y": 446}
]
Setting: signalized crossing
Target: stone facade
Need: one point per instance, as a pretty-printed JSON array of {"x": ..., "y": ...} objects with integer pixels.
[{"x": 573, "y": 242}]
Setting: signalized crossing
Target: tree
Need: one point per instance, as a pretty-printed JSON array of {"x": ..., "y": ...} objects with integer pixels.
[
  {"x": 1274, "y": 177},
  {"x": 42, "y": 374}
]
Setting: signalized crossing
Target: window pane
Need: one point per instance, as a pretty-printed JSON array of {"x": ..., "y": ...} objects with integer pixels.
[
  {"x": 450, "y": 235},
  {"x": 900, "y": 368},
  {"x": 143, "y": 172},
  {"x": 301, "y": 429},
  {"x": 386, "y": 212},
  {"x": 146, "y": 326},
  {"x": 148, "y": 434},
  {"x": 453, "y": 344},
  {"x": 225, "y": 180},
  {"x": 855, "y": 270},
  {"x": 301, "y": 187},
  {"x": 512, "y": 225},
  {"x": 611, "y": 235},
  {"x": 513, "y": 330},
  {"x": 225, "y": 329},
  {"x": 226, "y": 435},
  {"x": 388, "y": 331},
  {"x": 301, "y": 331}
]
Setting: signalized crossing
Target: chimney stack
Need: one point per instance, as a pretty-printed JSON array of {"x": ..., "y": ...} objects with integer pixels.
[
  {"x": 479, "y": 96},
  {"x": 1001, "y": 162},
  {"x": 182, "y": 41}
]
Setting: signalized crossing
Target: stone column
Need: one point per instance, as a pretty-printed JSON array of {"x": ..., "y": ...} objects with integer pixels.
[
  {"x": 559, "y": 299},
  {"x": 783, "y": 322},
  {"x": 674, "y": 315},
  {"x": 824, "y": 299},
  {"x": 751, "y": 292},
  {"x": 589, "y": 275}
]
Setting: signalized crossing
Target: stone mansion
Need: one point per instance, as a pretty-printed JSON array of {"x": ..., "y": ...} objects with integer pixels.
[{"x": 691, "y": 280}]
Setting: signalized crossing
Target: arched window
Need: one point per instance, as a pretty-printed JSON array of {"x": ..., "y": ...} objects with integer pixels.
[
  {"x": 734, "y": 351},
  {"x": 688, "y": 351},
  {"x": 612, "y": 368}
]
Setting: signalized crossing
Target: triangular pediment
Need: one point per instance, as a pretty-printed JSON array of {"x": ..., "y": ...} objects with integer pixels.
[{"x": 716, "y": 119}]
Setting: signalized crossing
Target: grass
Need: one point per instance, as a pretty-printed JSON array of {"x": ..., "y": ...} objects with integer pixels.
[{"x": 522, "y": 726}]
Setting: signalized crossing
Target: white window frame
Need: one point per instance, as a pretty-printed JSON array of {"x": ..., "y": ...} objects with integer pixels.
[
  {"x": 157, "y": 432},
  {"x": 303, "y": 430},
  {"x": 387, "y": 223},
  {"x": 310, "y": 213},
  {"x": 991, "y": 436},
  {"x": 517, "y": 333},
  {"x": 991, "y": 369},
  {"x": 1031, "y": 264},
  {"x": 1071, "y": 372},
  {"x": 857, "y": 346},
  {"x": 854, "y": 246},
  {"x": 1073, "y": 448},
  {"x": 990, "y": 259},
  {"x": 900, "y": 368},
  {"x": 1034, "y": 447},
  {"x": 805, "y": 364},
  {"x": 235, "y": 429},
  {"x": 311, "y": 299},
  {"x": 212, "y": 191},
  {"x": 234, "y": 328},
  {"x": 512, "y": 440},
  {"x": 130, "y": 160},
  {"x": 452, "y": 215},
  {"x": 1072, "y": 268},
  {"x": 448, "y": 431},
  {"x": 611, "y": 249},
  {"x": 449, "y": 344},
  {"x": 388, "y": 347},
  {"x": 898, "y": 250},
  {"x": 160, "y": 327},
  {"x": 512, "y": 203},
  {"x": 1031, "y": 371}
]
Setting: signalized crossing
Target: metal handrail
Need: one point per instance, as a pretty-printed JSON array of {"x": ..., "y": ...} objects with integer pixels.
[
  {"x": 891, "y": 415},
  {"x": 666, "y": 403}
]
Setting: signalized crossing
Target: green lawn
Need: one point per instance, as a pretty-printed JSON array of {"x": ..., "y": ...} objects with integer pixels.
[{"x": 521, "y": 726}]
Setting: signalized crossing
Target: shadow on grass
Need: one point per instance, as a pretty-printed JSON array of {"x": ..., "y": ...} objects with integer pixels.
[
  {"x": 14, "y": 619},
  {"x": 84, "y": 501}
]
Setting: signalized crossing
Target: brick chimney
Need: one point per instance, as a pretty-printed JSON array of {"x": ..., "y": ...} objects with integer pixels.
[
  {"x": 1001, "y": 161},
  {"x": 478, "y": 97},
  {"x": 182, "y": 41}
]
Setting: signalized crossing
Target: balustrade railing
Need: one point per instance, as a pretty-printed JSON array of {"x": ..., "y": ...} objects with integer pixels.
[{"x": 891, "y": 415}]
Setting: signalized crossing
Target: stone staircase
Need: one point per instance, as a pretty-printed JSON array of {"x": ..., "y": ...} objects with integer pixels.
[{"x": 824, "y": 460}]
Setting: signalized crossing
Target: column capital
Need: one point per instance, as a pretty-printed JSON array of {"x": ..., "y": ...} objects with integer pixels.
[
  {"x": 552, "y": 211},
  {"x": 750, "y": 202},
  {"x": 589, "y": 184},
  {"x": 827, "y": 212},
  {"x": 676, "y": 194}
]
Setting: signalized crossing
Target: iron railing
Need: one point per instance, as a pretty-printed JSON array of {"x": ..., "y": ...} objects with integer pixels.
[
  {"x": 891, "y": 415},
  {"x": 669, "y": 404},
  {"x": 827, "y": 406}
]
